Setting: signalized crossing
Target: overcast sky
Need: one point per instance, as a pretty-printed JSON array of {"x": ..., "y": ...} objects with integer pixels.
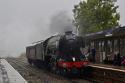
[
  {"x": 25, "y": 21},
  {"x": 121, "y": 9}
]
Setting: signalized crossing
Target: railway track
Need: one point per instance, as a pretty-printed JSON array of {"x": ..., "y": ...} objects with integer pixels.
[{"x": 34, "y": 75}]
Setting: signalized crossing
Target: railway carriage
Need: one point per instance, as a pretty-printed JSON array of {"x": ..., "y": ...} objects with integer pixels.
[{"x": 34, "y": 54}]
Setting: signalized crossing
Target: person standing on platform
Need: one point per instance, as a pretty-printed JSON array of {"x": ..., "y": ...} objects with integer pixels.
[{"x": 117, "y": 59}]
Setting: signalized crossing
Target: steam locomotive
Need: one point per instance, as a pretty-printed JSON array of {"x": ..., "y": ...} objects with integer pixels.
[{"x": 60, "y": 54}]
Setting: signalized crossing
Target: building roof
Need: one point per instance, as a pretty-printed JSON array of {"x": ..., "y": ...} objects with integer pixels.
[{"x": 114, "y": 32}]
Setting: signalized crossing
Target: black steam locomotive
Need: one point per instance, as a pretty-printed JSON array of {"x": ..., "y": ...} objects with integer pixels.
[{"x": 59, "y": 53}]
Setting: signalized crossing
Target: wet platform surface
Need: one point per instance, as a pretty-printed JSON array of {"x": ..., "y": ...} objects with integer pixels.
[{"x": 8, "y": 74}]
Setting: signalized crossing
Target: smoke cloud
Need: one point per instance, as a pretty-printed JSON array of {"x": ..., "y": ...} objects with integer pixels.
[{"x": 61, "y": 22}]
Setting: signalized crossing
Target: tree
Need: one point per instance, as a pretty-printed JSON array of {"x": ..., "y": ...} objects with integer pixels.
[{"x": 95, "y": 15}]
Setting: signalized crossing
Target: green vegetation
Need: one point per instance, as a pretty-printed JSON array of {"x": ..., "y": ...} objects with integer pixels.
[{"x": 95, "y": 15}]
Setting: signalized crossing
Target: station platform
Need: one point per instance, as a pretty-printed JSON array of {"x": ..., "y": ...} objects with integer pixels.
[
  {"x": 8, "y": 74},
  {"x": 108, "y": 73}
]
